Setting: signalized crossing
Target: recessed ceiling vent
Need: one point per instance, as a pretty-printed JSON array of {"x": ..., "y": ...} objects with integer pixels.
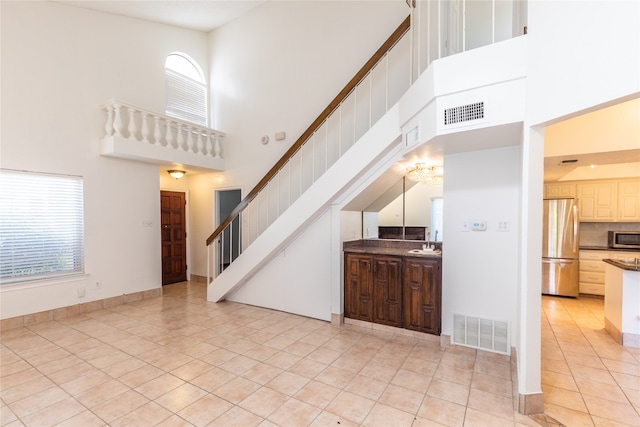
[
  {"x": 568, "y": 162},
  {"x": 464, "y": 113}
]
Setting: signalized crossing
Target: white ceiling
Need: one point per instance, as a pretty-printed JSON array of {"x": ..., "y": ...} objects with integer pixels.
[{"x": 196, "y": 15}]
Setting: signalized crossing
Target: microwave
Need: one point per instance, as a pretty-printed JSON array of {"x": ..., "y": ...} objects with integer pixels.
[{"x": 624, "y": 239}]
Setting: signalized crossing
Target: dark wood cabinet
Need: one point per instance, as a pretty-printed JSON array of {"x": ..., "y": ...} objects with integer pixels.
[
  {"x": 393, "y": 290},
  {"x": 358, "y": 287},
  {"x": 387, "y": 290},
  {"x": 422, "y": 286}
]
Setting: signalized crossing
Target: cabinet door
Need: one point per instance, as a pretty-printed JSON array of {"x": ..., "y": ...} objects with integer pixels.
[
  {"x": 387, "y": 290},
  {"x": 597, "y": 201},
  {"x": 629, "y": 201},
  {"x": 559, "y": 191},
  {"x": 422, "y": 288},
  {"x": 358, "y": 288}
]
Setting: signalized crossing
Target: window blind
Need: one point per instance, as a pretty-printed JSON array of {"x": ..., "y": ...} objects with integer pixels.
[
  {"x": 186, "y": 98},
  {"x": 41, "y": 226}
]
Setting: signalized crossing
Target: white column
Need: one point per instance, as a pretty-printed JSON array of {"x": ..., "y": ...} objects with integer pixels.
[
  {"x": 216, "y": 147},
  {"x": 199, "y": 144},
  {"x": 189, "y": 146},
  {"x": 132, "y": 129},
  {"x": 108, "y": 126},
  {"x": 180, "y": 137},
  {"x": 117, "y": 120},
  {"x": 168, "y": 134},
  {"x": 157, "y": 133},
  {"x": 145, "y": 127}
]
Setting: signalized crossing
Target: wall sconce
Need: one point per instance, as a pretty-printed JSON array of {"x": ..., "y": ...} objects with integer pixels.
[{"x": 177, "y": 174}]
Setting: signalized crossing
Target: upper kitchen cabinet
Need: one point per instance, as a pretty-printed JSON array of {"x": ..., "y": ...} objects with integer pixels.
[
  {"x": 629, "y": 200},
  {"x": 597, "y": 201},
  {"x": 559, "y": 190}
]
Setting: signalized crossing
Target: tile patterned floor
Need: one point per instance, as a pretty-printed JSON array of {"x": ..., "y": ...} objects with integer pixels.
[
  {"x": 587, "y": 378},
  {"x": 178, "y": 360}
]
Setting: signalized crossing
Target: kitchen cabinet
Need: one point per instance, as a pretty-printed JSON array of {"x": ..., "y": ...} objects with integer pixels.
[
  {"x": 393, "y": 290},
  {"x": 597, "y": 201},
  {"x": 629, "y": 200},
  {"x": 422, "y": 279},
  {"x": 559, "y": 191},
  {"x": 592, "y": 272}
]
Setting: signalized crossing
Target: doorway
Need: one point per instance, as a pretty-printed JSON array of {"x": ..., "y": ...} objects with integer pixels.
[
  {"x": 229, "y": 241},
  {"x": 174, "y": 237}
]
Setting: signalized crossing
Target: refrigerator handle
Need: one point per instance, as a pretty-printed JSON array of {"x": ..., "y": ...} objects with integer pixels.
[{"x": 575, "y": 228}]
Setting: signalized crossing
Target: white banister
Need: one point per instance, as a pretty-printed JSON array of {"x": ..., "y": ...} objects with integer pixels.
[{"x": 168, "y": 132}]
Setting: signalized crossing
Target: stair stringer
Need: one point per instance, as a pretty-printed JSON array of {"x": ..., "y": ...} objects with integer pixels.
[{"x": 382, "y": 138}]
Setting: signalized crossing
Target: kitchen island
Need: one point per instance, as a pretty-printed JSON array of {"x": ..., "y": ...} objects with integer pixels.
[
  {"x": 393, "y": 282},
  {"x": 622, "y": 300}
]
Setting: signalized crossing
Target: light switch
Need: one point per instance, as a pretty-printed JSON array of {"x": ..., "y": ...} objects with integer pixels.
[{"x": 464, "y": 226}]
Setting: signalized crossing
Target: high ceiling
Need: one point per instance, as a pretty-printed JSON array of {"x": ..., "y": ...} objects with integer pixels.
[{"x": 196, "y": 15}]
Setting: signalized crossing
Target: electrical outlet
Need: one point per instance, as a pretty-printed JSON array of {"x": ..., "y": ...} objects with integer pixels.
[
  {"x": 99, "y": 284},
  {"x": 503, "y": 226},
  {"x": 81, "y": 293}
]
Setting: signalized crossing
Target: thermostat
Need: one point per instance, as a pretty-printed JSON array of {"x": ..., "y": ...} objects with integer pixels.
[{"x": 479, "y": 225}]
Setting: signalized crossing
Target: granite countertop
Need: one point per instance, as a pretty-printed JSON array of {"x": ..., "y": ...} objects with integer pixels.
[
  {"x": 623, "y": 265},
  {"x": 606, "y": 248},
  {"x": 390, "y": 247}
]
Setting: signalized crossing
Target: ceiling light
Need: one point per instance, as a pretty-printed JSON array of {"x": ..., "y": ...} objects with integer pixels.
[
  {"x": 593, "y": 166},
  {"x": 177, "y": 174},
  {"x": 431, "y": 175}
]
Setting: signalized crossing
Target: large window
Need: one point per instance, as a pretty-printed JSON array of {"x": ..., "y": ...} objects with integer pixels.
[
  {"x": 41, "y": 226},
  {"x": 186, "y": 89}
]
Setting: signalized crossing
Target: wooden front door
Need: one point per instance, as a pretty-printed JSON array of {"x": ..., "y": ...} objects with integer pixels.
[{"x": 174, "y": 237}]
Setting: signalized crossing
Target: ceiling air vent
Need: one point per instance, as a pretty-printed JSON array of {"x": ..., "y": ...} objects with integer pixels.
[
  {"x": 568, "y": 162},
  {"x": 464, "y": 113}
]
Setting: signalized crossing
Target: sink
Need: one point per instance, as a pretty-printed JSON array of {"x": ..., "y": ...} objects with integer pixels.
[{"x": 425, "y": 251}]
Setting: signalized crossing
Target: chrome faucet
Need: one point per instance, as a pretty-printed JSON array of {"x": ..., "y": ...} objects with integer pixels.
[{"x": 436, "y": 239}]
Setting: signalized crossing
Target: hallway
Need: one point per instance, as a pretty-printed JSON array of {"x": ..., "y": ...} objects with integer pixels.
[
  {"x": 587, "y": 378},
  {"x": 178, "y": 360}
]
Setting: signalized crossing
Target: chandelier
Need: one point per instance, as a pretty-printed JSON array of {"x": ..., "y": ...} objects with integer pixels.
[{"x": 426, "y": 175}]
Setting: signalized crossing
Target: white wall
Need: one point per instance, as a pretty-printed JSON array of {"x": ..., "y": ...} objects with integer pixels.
[
  {"x": 275, "y": 69},
  {"x": 582, "y": 55},
  {"x": 297, "y": 279},
  {"x": 480, "y": 268},
  {"x": 59, "y": 64}
]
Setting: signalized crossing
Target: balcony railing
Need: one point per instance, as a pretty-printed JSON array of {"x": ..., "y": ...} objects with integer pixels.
[{"x": 140, "y": 126}]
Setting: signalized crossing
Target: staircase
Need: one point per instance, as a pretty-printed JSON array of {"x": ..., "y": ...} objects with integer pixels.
[{"x": 357, "y": 129}]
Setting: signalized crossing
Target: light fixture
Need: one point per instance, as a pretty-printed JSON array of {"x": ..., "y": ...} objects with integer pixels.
[
  {"x": 426, "y": 175},
  {"x": 177, "y": 174}
]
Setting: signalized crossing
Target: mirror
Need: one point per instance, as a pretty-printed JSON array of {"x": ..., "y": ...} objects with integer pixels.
[{"x": 407, "y": 211}]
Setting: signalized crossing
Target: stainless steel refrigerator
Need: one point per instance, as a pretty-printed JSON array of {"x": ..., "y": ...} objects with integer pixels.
[{"x": 560, "y": 233}]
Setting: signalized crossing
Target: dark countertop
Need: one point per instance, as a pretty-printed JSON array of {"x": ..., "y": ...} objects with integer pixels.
[
  {"x": 605, "y": 248},
  {"x": 389, "y": 247},
  {"x": 623, "y": 265}
]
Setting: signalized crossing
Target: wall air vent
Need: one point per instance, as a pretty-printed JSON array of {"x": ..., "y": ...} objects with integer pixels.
[
  {"x": 482, "y": 334},
  {"x": 464, "y": 113}
]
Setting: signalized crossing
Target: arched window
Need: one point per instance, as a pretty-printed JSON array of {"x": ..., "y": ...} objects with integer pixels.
[{"x": 186, "y": 89}]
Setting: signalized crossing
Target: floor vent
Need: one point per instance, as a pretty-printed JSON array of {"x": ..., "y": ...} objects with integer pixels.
[
  {"x": 483, "y": 334},
  {"x": 464, "y": 113}
]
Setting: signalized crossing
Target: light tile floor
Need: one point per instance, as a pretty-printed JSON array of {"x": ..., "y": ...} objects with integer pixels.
[
  {"x": 587, "y": 378},
  {"x": 178, "y": 360}
]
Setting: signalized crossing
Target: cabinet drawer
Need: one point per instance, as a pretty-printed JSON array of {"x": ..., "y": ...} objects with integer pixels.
[
  {"x": 593, "y": 255},
  {"x": 591, "y": 289},
  {"x": 592, "y": 266},
  {"x": 591, "y": 277},
  {"x": 624, "y": 255}
]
